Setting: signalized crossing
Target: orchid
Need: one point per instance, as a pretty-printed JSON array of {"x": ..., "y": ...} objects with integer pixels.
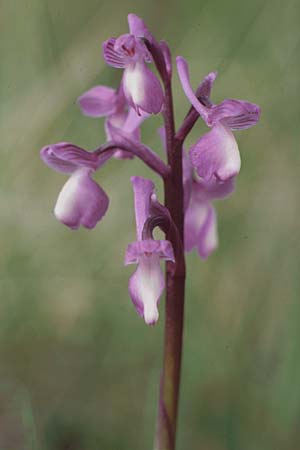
[
  {"x": 102, "y": 101},
  {"x": 81, "y": 201},
  {"x": 147, "y": 283},
  {"x": 142, "y": 88},
  {"x": 192, "y": 181},
  {"x": 200, "y": 221},
  {"x": 216, "y": 153}
]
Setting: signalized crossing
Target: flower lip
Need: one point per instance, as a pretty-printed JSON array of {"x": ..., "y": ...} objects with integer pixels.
[
  {"x": 216, "y": 154},
  {"x": 146, "y": 286},
  {"x": 81, "y": 201},
  {"x": 142, "y": 88}
]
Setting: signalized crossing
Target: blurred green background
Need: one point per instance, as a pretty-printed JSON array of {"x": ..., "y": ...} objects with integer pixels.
[{"x": 79, "y": 369}]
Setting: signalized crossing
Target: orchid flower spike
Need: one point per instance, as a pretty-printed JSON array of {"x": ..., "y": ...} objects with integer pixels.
[
  {"x": 147, "y": 282},
  {"x": 216, "y": 154},
  {"x": 142, "y": 88},
  {"x": 81, "y": 201}
]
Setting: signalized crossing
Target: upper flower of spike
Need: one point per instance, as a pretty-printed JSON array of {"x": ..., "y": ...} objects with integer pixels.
[
  {"x": 147, "y": 282},
  {"x": 216, "y": 153},
  {"x": 81, "y": 201},
  {"x": 142, "y": 88}
]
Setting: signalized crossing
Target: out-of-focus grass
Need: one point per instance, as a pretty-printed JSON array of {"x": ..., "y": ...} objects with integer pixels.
[{"x": 79, "y": 369}]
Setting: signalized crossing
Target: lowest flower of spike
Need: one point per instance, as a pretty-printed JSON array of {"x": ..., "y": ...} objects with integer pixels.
[
  {"x": 192, "y": 181},
  {"x": 147, "y": 283}
]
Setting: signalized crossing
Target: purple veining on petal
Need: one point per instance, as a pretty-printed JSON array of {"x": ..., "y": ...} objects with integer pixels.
[
  {"x": 126, "y": 44},
  {"x": 66, "y": 157},
  {"x": 125, "y": 50},
  {"x": 132, "y": 48},
  {"x": 216, "y": 154},
  {"x": 236, "y": 114},
  {"x": 81, "y": 201},
  {"x": 114, "y": 58}
]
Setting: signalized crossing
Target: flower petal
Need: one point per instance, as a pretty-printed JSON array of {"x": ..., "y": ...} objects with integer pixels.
[
  {"x": 143, "y": 190},
  {"x": 65, "y": 157},
  {"x": 213, "y": 189},
  {"x": 142, "y": 88},
  {"x": 216, "y": 154},
  {"x": 137, "y": 249},
  {"x": 183, "y": 73},
  {"x": 208, "y": 236},
  {"x": 81, "y": 201},
  {"x": 137, "y": 26},
  {"x": 112, "y": 57},
  {"x": 133, "y": 122},
  {"x": 236, "y": 114},
  {"x": 194, "y": 220},
  {"x": 205, "y": 88},
  {"x": 112, "y": 125},
  {"x": 200, "y": 230},
  {"x": 98, "y": 101},
  {"x": 129, "y": 123},
  {"x": 146, "y": 286}
]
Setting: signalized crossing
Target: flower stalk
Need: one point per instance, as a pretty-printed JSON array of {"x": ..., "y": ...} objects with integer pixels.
[{"x": 175, "y": 285}]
